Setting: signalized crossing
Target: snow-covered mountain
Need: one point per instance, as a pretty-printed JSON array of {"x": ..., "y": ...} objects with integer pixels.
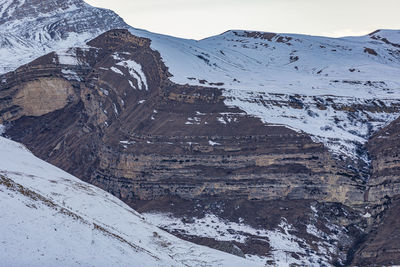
[
  {"x": 50, "y": 218},
  {"x": 31, "y": 28},
  {"x": 312, "y": 84}
]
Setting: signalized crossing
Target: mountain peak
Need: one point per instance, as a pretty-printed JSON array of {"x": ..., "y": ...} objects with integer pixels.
[
  {"x": 32, "y": 28},
  {"x": 12, "y": 10}
]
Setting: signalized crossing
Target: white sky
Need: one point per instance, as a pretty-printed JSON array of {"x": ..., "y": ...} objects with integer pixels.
[{"x": 198, "y": 19}]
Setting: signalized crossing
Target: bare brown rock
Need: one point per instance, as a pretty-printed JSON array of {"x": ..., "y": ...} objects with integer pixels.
[
  {"x": 385, "y": 164},
  {"x": 36, "y": 98},
  {"x": 43, "y": 96},
  {"x": 370, "y": 51},
  {"x": 382, "y": 246}
]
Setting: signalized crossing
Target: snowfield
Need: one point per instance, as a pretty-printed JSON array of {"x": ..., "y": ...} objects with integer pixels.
[{"x": 50, "y": 218}]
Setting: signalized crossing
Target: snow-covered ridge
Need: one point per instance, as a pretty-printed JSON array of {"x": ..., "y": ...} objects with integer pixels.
[
  {"x": 256, "y": 70},
  {"x": 51, "y": 218},
  {"x": 242, "y": 60},
  {"x": 32, "y": 28}
]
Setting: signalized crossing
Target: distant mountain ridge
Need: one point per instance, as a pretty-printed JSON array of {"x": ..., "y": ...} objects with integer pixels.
[{"x": 32, "y": 28}]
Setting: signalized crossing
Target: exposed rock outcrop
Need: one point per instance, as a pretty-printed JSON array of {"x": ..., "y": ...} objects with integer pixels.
[
  {"x": 382, "y": 245},
  {"x": 385, "y": 164},
  {"x": 37, "y": 98}
]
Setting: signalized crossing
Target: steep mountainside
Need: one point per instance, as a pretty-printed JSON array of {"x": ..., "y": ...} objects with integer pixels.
[
  {"x": 51, "y": 218},
  {"x": 275, "y": 147},
  {"x": 382, "y": 246},
  {"x": 32, "y": 28}
]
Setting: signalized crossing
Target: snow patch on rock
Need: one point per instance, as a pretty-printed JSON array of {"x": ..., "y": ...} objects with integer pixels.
[
  {"x": 286, "y": 247},
  {"x": 136, "y": 72}
]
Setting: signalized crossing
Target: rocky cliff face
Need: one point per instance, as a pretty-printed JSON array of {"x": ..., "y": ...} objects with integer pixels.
[
  {"x": 338, "y": 91},
  {"x": 384, "y": 151},
  {"x": 381, "y": 247},
  {"x": 109, "y": 114},
  {"x": 251, "y": 143}
]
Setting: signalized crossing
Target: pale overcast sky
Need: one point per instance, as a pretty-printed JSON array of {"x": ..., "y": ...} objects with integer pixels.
[{"x": 198, "y": 19}]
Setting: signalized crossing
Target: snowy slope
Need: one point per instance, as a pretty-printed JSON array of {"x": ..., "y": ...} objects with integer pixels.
[
  {"x": 50, "y": 218},
  {"x": 258, "y": 70},
  {"x": 248, "y": 61},
  {"x": 286, "y": 248},
  {"x": 32, "y": 28}
]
